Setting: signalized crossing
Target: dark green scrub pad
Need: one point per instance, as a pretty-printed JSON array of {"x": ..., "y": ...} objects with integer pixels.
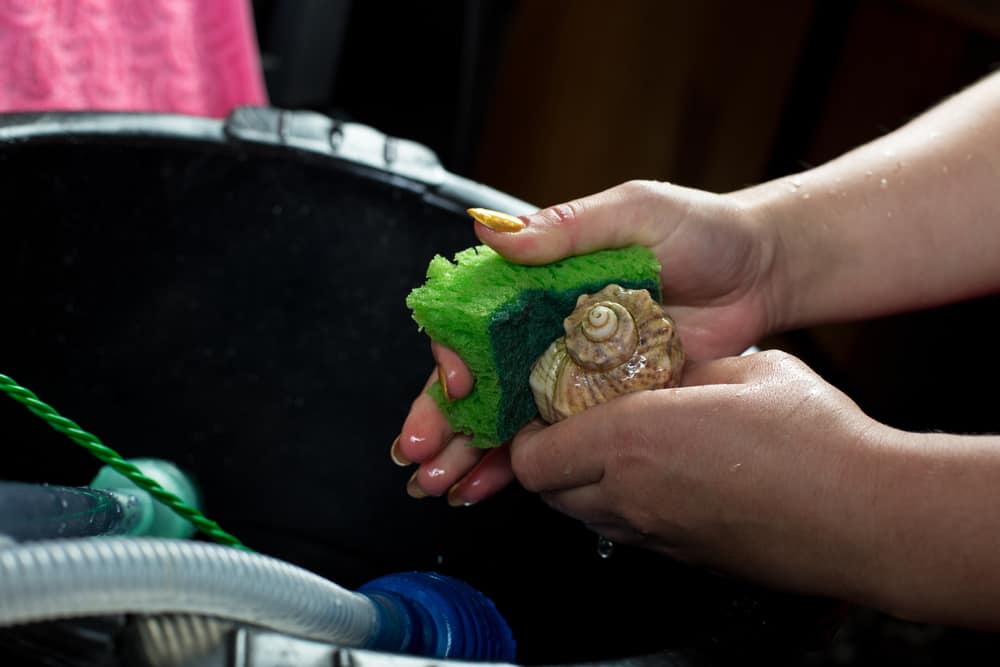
[{"x": 500, "y": 317}]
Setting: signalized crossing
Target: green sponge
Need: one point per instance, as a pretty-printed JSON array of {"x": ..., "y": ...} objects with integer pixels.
[{"x": 500, "y": 317}]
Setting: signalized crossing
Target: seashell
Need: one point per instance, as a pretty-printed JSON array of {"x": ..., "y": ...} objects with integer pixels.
[{"x": 617, "y": 341}]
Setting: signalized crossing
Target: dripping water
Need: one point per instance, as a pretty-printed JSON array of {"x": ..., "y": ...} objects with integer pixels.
[{"x": 605, "y": 547}]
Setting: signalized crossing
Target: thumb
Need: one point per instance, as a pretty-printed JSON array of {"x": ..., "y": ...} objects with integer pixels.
[{"x": 615, "y": 218}]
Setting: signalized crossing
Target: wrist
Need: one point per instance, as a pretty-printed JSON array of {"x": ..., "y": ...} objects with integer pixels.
[
  {"x": 934, "y": 535},
  {"x": 762, "y": 208},
  {"x": 869, "y": 572}
]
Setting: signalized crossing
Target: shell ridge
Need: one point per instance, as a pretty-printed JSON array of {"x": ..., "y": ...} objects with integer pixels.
[{"x": 640, "y": 351}]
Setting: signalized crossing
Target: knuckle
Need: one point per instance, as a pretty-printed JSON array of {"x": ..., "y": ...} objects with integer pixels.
[
  {"x": 564, "y": 213},
  {"x": 643, "y": 190},
  {"x": 638, "y": 186},
  {"x": 525, "y": 467},
  {"x": 773, "y": 356},
  {"x": 774, "y": 359},
  {"x": 780, "y": 364}
]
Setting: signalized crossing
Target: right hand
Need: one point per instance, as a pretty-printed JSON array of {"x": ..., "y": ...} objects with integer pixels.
[{"x": 718, "y": 264}]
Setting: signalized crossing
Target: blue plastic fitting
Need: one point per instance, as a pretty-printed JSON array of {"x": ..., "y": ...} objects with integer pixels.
[{"x": 429, "y": 614}]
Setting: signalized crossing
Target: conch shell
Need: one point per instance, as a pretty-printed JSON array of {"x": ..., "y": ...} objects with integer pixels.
[{"x": 617, "y": 341}]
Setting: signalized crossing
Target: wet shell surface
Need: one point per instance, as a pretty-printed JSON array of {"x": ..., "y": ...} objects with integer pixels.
[{"x": 617, "y": 341}]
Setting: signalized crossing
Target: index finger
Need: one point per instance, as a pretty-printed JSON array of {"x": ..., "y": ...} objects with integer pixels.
[
  {"x": 563, "y": 455},
  {"x": 614, "y": 218},
  {"x": 425, "y": 431},
  {"x": 455, "y": 377},
  {"x": 574, "y": 452}
]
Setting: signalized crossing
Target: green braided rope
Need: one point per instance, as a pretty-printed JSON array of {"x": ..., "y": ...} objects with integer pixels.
[{"x": 113, "y": 459}]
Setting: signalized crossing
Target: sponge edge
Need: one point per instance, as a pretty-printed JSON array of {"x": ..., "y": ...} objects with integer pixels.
[{"x": 499, "y": 317}]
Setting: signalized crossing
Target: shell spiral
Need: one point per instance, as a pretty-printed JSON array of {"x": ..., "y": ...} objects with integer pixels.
[{"x": 617, "y": 341}]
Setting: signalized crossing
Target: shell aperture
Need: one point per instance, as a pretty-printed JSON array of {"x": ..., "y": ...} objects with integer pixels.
[{"x": 617, "y": 341}]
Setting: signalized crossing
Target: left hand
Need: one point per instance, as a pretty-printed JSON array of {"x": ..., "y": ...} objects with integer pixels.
[
  {"x": 447, "y": 464},
  {"x": 755, "y": 466}
]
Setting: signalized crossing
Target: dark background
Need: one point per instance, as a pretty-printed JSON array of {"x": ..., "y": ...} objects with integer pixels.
[
  {"x": 552, "y": 100},
  {"x": 219, "y": 337}
]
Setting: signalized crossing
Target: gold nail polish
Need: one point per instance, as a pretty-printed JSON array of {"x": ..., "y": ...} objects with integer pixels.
[
  {"x": 444, "y": 384},
  {"x": 413, "y": 488},
  {"x": 497, "y": 221},
  {"x": 397, "y": 456},
  {"x": 456, "y": 500}
]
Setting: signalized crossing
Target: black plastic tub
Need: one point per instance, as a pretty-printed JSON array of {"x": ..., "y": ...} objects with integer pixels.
[{"x": 230, "y": 296}]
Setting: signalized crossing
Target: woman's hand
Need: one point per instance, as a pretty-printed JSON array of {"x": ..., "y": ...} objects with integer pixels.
[
  {"x": 717, "y": 273},
  {"x": 754, "y": 466},
  {"x": 443, "y": 456}
]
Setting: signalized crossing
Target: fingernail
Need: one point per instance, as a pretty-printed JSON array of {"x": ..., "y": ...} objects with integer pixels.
[
  {"x": 397, "y": 456},
  {"x": 444, "y": 384},
  {"x": 497, "y": 221},
  {"x": 413, "y": 488},
  {"x": 455, "y": 498}
]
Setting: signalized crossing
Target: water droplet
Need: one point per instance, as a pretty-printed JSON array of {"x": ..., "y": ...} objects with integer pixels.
[
  {"x": 440, "y": 559},
  {"x": 944, "y": 169},
  {"x": 883, "y": 184},
  {"x": 806, "y": 195},
  {"x": 605, "y": 547},
  {"x": 868, "y": 173}
]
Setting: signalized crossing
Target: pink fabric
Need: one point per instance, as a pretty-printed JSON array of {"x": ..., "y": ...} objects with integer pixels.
[{"x": 196, "y": 57}]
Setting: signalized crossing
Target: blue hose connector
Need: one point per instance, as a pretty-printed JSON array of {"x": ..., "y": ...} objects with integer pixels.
[{"x": 428, "y": 614}]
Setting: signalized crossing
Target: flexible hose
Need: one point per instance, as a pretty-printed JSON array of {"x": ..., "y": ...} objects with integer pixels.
[
  {"x": 67, "y": 578},
  {"x": 110, "y": 457},
  {"x": 43, "y": 511}
]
